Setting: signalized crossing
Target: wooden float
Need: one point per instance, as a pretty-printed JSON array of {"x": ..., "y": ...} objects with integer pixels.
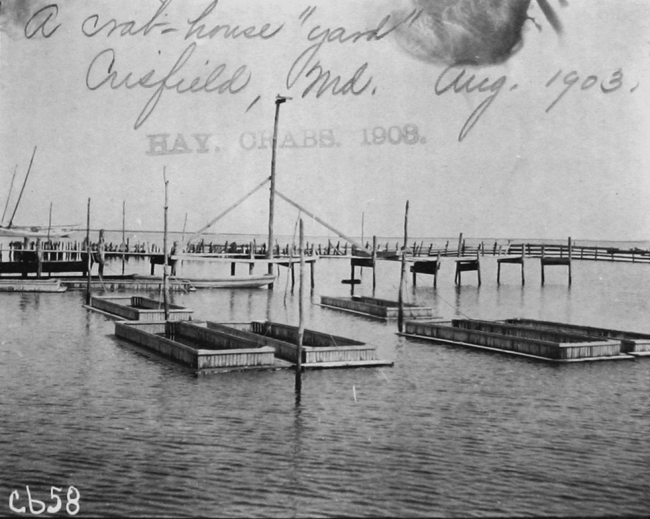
[
  {"x": 632, "y": 343},
  {"x": 214, "y": 347},
  {"x": 31, "y": 285},
  {"x": 319, "y": 350},
  {"x": 374, "y": 307},
  {"x": 138, "y": 308},
  {"x": 191, "y": 343},
  {"x": 529, "y": 341}
]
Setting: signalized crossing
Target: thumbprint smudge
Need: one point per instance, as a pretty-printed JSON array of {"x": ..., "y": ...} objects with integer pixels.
[
  {"x": 470, "y": 32},
  {"x": 14, "y": 15}
]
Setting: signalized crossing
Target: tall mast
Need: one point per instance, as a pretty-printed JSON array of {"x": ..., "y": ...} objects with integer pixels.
[
  {"x": 269, "y": 252},
  {"x": 23, "y": 188},
  {"x": 11, "y": 187}
]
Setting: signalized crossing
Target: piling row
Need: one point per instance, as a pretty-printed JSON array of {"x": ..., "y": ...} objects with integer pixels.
[{"x": 75, "y": 250}]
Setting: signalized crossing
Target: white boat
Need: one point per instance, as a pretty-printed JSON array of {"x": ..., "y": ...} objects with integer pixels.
[
  {"x": 37, "y": 231},
  {"x": 31, "y": 285},
  {"x": 31, "y": 231},
  {"x": 219, "y": 282}
]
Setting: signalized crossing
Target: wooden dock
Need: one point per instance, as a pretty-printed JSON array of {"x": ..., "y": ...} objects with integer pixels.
[{"x": 529, "y": 341}]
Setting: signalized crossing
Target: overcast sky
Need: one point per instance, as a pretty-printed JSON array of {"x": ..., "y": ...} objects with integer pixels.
[{"x": 529, "y": 167}]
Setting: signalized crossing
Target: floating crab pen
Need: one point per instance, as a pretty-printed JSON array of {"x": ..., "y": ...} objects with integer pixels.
[
  {"x": 530, "y": 341},
  {"x": 632, "y": 343},
  {"x": 213, "y": 347},
  {"x": 373, "y": 307},
  {"x": 195, "y": 345},
  {"x": 319, "y": 350},
  {"x": 138, "y": 308}
]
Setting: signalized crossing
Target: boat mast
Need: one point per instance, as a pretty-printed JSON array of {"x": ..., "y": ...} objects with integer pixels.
[
  {"x": 402, "y": 278},
  {"x": 11, "y": 187},
  {"x": 269, "y": 252},
  {"x": 165, "y": 262},
  {"x": 301, "y": 311},
  {"x": 23, "y": 188}
]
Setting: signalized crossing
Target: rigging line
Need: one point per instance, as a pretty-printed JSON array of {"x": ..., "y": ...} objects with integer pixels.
[
  {"x": 293, "y": 242},
  {"x": 9, "y": 195},
  {"x": 29, "y": 169},
  {"x": 319, "y": 220},
  {"x": 225, "y": 212},
  {"x": 455, "y": 307}
]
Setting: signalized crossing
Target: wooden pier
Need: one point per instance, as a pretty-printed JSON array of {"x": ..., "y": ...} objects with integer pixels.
[
  {"x": 429, "y": 267},
  {"x": 512, "y": 260},
  {"x": 468, "y": 265}
]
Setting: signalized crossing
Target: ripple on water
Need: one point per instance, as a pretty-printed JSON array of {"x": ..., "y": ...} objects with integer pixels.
[{"x": 445, "y": 432}]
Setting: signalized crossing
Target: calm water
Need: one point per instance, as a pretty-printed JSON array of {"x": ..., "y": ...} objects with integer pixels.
[{"x": 445, "y": 432}]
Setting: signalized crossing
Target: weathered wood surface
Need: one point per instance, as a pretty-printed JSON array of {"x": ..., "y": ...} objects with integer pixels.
[
  {"x": 154, "y": 336},
  {"x": 630, "y": 341},
  {"x": 380, "y": 308},
  {"x": 535, "y": 343},
  {"x": 318, "y": 347},
  {"x": 215, "y": 346},
  {"x": 138, "y": 308}
]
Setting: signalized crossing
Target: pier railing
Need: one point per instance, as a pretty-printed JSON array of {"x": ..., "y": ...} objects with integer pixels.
[{"x": 54, "y": 251}]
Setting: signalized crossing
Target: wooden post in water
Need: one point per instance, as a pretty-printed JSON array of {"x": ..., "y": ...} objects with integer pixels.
[
  {"x": 301, "y": 317},
  {"x": 39, "y": 258},
  {"x": 374, "y": 264},
  {"x": 123, "y": 234},
  {"x": 460, "y": 243},
  {"x": 165, "y": 261},
  {"x": 49, "y": 224},
  {"x": 569, "y": 260},
  {"x": 184, "y": 226},
  {"x": 400, "y": 312},
  {"x": 278, "y": 101},
  {"x": 88, "y": 255}
]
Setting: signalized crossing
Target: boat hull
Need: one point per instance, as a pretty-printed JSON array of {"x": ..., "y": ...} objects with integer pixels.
[{"x": 224, "y": 282}]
